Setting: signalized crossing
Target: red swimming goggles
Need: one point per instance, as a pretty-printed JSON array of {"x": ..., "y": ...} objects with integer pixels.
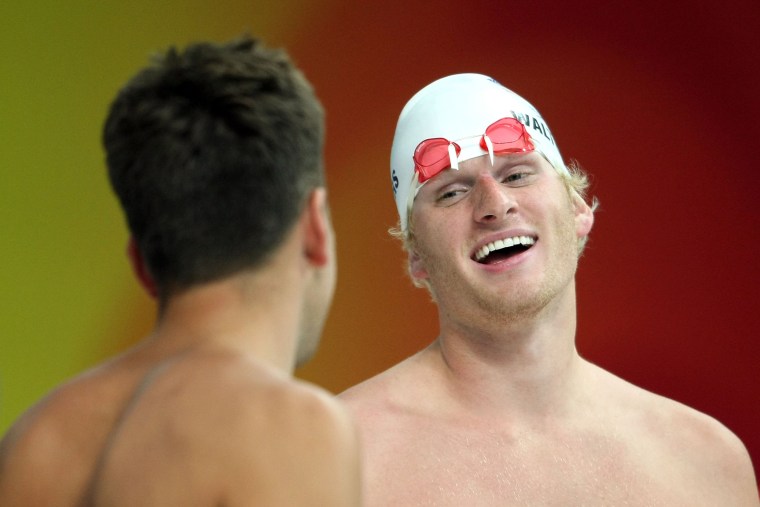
[{"x": 507, "y": 135}]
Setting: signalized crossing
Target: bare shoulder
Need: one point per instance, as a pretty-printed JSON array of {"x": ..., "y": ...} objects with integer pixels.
[
  {"x": 60, "y": 433},
  {"x": 290, "y": 433},
  {"x": 406, "y": 400},
  {"x": 701, "y": 450},
  {"x": 299, "y": 410},
  {"x": 230, "y": 395},
  {"x": 250, "y": 431},
  {"x": 260, "y": 396},
  {"x": 23, "y": 452},
  {"x": 714, "y": 453},
  {"x": 387, "y": 389},
  {"x": 368, "y": 393}
]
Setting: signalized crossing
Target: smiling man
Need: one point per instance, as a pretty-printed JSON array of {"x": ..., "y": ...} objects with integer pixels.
[{"x": 500, "y": 409}]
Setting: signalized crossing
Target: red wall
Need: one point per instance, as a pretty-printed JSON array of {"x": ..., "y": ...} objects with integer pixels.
[{"x": 658, "y": 100}]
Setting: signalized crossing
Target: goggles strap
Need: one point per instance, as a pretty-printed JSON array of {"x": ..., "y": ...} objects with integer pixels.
[
  {"x": 453, "y": 156},
  {"x": 416, "y": 185},
  {"x": 489, "y": 146}
]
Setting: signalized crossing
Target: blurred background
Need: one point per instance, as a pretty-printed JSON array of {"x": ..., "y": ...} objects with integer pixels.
[{"x": 658, "y": 100}]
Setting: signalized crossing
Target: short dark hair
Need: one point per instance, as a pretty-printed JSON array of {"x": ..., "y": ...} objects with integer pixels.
[{"x": 212, "y": 153}]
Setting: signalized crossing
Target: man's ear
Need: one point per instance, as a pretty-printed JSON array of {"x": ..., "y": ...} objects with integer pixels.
[
  {"x": 140, "y": 269},
  {"x": 584, "y": 216},
  {"x": 416, "y": 267},
  {"x": 317, "y": 239}
]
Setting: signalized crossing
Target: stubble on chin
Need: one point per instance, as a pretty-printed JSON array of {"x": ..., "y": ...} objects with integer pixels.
[{"x": 515, "y": 302}]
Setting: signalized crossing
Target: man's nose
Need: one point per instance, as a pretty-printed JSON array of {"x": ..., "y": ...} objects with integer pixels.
[{"x": 492, "y": 200}]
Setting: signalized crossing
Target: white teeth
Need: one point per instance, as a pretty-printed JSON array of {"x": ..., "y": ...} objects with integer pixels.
[{"x": 503, "y": 243}]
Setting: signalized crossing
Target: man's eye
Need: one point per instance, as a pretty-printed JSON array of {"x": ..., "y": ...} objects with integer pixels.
[
  {"x": 515, "y": 177},
  {"x": 450, "y": 194}
]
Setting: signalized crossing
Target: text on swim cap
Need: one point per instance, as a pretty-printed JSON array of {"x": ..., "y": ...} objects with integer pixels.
[{"x": 535, "y": 124}]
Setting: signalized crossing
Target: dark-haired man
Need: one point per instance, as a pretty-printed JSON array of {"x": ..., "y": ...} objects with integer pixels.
[{"x": 215, "y": 154}]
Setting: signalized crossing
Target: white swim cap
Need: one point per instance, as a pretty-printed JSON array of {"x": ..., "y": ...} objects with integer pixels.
[{"x": 459, "y": 108}]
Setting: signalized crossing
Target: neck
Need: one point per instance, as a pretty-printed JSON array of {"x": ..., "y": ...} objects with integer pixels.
[
  {"x": 253, "y": 314},
  {"x": 528, "y": 364}
]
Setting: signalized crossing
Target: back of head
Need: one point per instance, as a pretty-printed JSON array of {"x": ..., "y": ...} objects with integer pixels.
[{"x": 212, "y": 152}]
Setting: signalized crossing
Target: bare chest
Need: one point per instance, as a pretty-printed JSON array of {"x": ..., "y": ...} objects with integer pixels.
[{"x": 442, "y": 466}]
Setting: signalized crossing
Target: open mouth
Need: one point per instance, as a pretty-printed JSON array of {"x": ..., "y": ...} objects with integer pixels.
[{"x": 500, "y": 250}]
